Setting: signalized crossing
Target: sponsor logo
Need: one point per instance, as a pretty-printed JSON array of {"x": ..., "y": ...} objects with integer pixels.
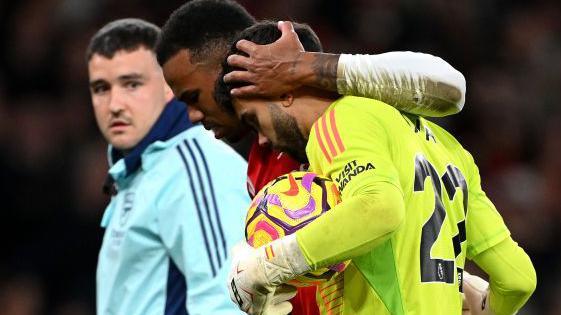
[
  {"x": 460, "y": 279},
  {"x": 351, "y": 170}
]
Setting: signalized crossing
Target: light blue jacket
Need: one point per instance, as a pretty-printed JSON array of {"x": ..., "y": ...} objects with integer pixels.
[{"x": 171, "y": 225}]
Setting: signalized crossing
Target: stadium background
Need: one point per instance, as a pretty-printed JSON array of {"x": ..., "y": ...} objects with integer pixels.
[{"x": 52, "y": 158}]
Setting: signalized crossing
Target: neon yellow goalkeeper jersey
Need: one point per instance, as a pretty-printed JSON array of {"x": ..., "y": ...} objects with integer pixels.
[{"x": 448, "y": 217}]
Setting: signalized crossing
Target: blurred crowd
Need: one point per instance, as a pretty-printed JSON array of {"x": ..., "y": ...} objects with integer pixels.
[{"x": 53, "y": 160}]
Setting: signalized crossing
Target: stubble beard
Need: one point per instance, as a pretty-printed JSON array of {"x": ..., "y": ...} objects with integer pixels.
[{"x": 289, "y": 138}]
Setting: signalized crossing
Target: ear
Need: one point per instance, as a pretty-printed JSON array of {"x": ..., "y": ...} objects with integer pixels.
[
  {"x": 287, "y": 99},
  {"x": 167, "y": 91}
]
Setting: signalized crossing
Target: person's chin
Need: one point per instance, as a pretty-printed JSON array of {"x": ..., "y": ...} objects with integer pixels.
[{"x": 121, "y": 143}]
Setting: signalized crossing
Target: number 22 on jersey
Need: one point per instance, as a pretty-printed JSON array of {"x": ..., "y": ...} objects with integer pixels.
[{"x": 440, "y": 269}]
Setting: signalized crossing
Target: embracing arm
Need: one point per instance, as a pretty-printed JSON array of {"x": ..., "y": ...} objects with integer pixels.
[{"x": 412, "y": 82}]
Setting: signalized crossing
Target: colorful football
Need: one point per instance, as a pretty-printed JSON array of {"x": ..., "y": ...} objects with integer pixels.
[{"x": 286, "y": 205}]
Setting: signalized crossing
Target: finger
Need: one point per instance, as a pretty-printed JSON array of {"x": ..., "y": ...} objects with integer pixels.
[
  {"x": 239, "y": 61},
  {"x": 289, "y": 34},
  {"x": 246, "y": 46},
  {"x": 285, "y": 27},
  {"x": 283, "y": 293},
  {"x": 283, "y": 308},
  {"x": 246, "y": 91},
  {"x": 259, "y": 303},
  {"x": 238, "y": 76}
]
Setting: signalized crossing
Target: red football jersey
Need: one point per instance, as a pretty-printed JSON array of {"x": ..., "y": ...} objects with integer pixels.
[{"x": 265, "y": 164}]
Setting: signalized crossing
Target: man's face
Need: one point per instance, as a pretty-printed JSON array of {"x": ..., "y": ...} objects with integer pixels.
[
  {"x": 193, "y": 83},
  {"x": 128, "y": 94},
  {"x": 274, "y": 125}
]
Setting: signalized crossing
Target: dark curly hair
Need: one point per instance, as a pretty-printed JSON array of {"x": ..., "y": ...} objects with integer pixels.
[{"x": 205, "y": 27}]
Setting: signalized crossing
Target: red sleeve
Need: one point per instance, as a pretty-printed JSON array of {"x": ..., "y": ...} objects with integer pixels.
[{"x": 265, "y": 164}]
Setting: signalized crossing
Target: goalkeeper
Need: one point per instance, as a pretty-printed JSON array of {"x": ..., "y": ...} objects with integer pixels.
[{"x": 413, "y": 210}]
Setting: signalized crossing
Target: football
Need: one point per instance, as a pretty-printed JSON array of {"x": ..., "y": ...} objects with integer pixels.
[{"x": 287, "y": 204}]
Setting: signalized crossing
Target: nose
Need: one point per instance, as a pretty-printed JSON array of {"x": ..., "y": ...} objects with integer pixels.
[
  {"x": 195, "y": 115},
  {"x": 116, "y": 104},
  {"x": 263, "y": 141}
]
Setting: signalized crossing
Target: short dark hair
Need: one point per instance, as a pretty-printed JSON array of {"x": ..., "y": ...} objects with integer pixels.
[
  {"x": 262, "y": 33},
  {"x": 205, "y": 27},
  {"x": 124, "y": 34}
]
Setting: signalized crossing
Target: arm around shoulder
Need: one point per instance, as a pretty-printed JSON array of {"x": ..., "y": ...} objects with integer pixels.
[{"x": 417, "y": 83}]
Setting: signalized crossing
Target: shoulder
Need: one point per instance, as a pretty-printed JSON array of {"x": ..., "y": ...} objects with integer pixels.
[
  {"x": 354, "y": 105},
  {"x": 195, "y": 143},
  {"x": 195, "y": 165},
  {"x": 461, "y": 157},
  {"x": 359, "y": 114},
  {"x": 217, "y": 150},
  {"x": 446, "y": 138},
  {"x": 196, "y": 154},
  {"x": 351, "y": 116}
]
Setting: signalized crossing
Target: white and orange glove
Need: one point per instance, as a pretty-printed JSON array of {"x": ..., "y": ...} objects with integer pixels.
[
  {"x": 257, "y": 273},
  {"x": 476, "y": 293}
]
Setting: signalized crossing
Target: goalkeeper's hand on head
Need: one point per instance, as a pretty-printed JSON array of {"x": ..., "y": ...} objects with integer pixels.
[
  {"x": 256, "y": 273},
  {"x": 476, "y": 293}
]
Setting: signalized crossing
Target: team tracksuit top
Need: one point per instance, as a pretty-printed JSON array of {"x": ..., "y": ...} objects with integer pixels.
[{"x": 179, "y": 208}]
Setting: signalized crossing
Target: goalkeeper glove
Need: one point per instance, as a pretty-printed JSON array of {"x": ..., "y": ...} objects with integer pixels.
[
  {"x": 256, "y": 273},
  {"x": 279, "y": 303},
  {"x": 476, "y": 292}
]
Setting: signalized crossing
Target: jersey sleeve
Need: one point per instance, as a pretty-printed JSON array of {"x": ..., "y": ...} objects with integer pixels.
[
  {"x": 484, "y": 225},
  {"x": 353, "y": 150},
  {"x": 416, "y": 83},
  {"x": 511, "y": 273},
  {"x": 200, "y": 218}
]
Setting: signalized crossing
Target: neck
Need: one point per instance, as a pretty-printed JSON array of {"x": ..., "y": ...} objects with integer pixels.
[{"x": 313, "y": 104}]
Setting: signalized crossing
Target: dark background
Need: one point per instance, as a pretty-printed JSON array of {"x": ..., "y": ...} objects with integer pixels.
[{"x": 52, "y": 158}]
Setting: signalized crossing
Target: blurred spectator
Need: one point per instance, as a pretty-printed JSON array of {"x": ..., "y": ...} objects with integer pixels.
[{"x": 21, "y": 294}]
